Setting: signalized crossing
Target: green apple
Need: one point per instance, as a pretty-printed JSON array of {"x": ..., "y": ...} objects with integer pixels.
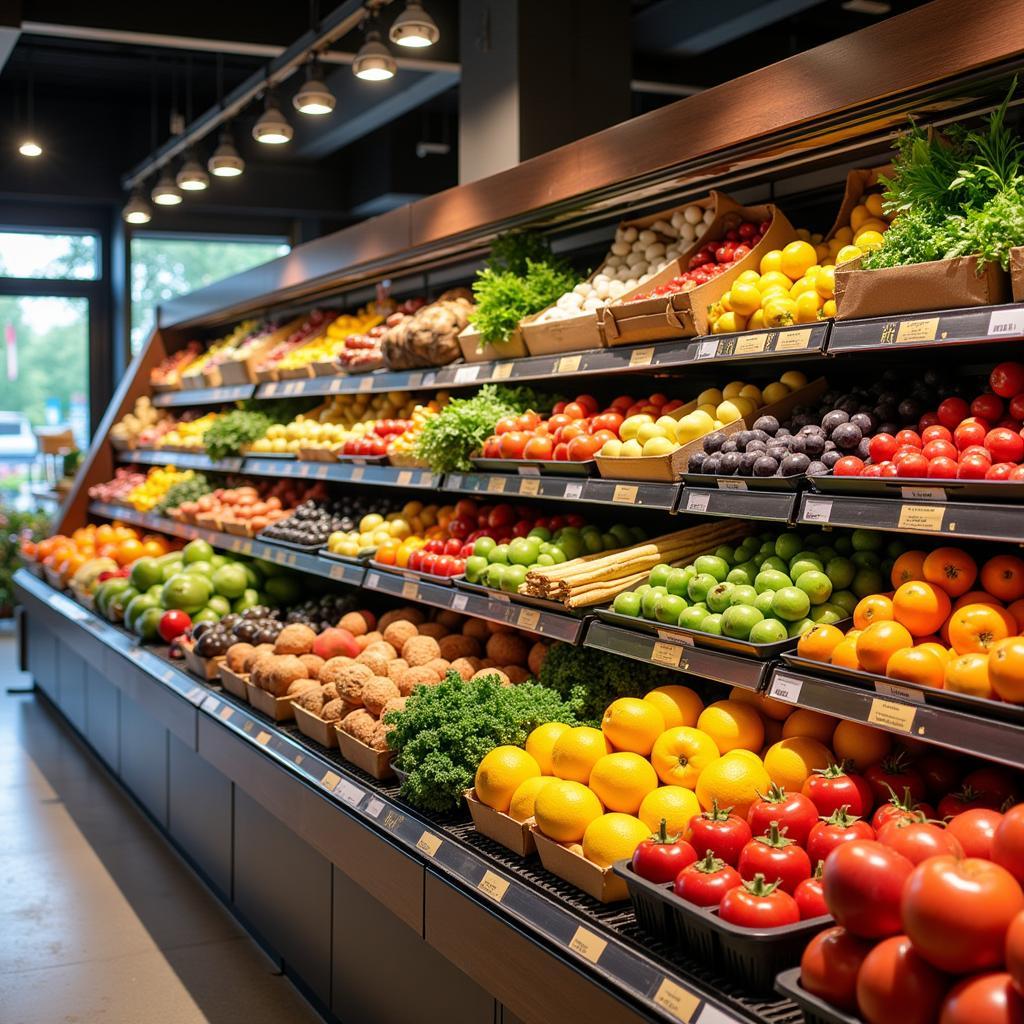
[
  {"x": 767, "y": 631},
  {"x": 718, "y": 596},
  {"x": 799, "y": 627},
  {"x": 626, "y": 603},
  {"x": 816, "y": 585},
  {"x": 868, "y": 581},
  {"x": 828, "y": 613},
  {"x": 787, "y": 544},
  {"x": 790, "y": 604},
  {"x": 476, "y": 566},
  {"x": 846, "y": 599},
  {"x": 712, "y": 565},
  {"x": 739, "y": 620},
  {"x": 495, "y": 574},
  {"x": 698, "y": 587},
  {"x": 692, "y": 617},
  {"x": 669, "y": 608},
  {"x": 726, "y": 553},
  {"x": 763, "y": 602},
  {"x": 776, "y": 563},
  {"x": 771, "y": 579},
  {"x": 678, "y": 580},
  {"x": 498, "y": 555},
  {"x": 514, "y": 576},
  {"x": 649, "y": 602},
  {"x": 742, "y": 595},
  {"x": 840, "y": 571},
  {"x": 866, "y": 540},
  {"x": 804, "y": 563},
  {"x": 483, "y": 546},
  {"x": 658, "y": 576},
  {"x": 743, "y": 574},
  {"x": 711, "y": 624},
  {"x": 196, "y": 551}
]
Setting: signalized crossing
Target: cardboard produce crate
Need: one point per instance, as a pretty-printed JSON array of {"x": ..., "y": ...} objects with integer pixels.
[
  {"x": 601, "y": 883},
  {"x": 918, "y": 287},
  {"x": 315, "y": 727},
  {"x": 514, "y": 348},
  {"x": 858, "y": 183},
  {"x": 1017, "y": 273},
  {"x": 374, "y": 762},
  {"x": 516, "y": 836},
  {"x": 280, "y": 709},
  {"x": 235, "y": 684},
  {"x": 243, "y": 371}
]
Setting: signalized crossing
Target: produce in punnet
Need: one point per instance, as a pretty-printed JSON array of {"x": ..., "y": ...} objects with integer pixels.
[
  {"x": 247, "y": 509},
  {"x": 141, "y": 425},
  {"x": 186, "y": 434},
  {"x": 316, "y": 519},
  {"x": 167, "y": 373}
]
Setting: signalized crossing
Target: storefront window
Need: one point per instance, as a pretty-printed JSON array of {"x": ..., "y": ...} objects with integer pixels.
[{"x": 54, "y": 257}]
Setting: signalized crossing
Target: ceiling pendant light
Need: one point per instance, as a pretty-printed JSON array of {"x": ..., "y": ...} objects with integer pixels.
[
  {"x": 313, "y": 96},
  {"x": 272, "y": 128},
  {"x": 29, "y": 145},
  {"x": 414, "y": 27},
  {"x": 373, "y": 62},
  {"x": 225, "y": 161},
  {"x": 136, "y": 210},
  {"x": 165, "y": 192},
  {"x": 192, "y": 177}
]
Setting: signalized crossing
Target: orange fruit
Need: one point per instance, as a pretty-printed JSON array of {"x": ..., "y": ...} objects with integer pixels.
[
  {"x": 921, "y": 607},
  {"x": 952, "y": 569},
  {"x": 521, "y": 805},
  {"x": 734, "y": 781},
  {"x": 790, "y": 762},
  {"x": 501, "y": 773},
  {"x": 819, "y": 643},
  {"x": 879, "y": 642},
  {"x": 1017, "y": 611},
  {"x": 844, "y": 654},
  {"x": 681, "y": 754},
  {"x": 153, "y": 548},
  {"x": 862, "y": 744},
  {"x": 679, "y": 705},
  {"x": 1003, "y": 577},
  {"x": 622, "y": 780},
  {"x": 613, "y": 837},
  {"x": 916, "y": 665},
  {"x": 975, "y": 628},
  {"x": 812, "y": 724},
  {"x": 732, "y": 724},
  {"x": 576, "y": 751},
  {"x": 676, "y": 805},
  {"x": 968, "y": 674},
  {"x": 541, "y": 742},
  {"x": 940, "y": 652},
  {"x": 1006, "y": 669},
  {"x": 873, "y": 608},
  {"x": 909, "y": 566},
  {"x": 564, "y": 809},
  {"x": 632, "y": 724}
]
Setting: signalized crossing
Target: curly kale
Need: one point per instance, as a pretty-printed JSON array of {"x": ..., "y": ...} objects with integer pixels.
[{"x": 444, "y": 731}]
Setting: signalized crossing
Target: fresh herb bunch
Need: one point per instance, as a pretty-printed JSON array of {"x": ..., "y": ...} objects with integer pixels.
[
  {"x": 444, "y": 731},
  {"x": 591, "y": 679},
  {"x": 188, "y": 490},
  {"x": 959, "y": 194},
  {"x": 280, "y": 410},
  {"x": 512, "y": 251},
  {"x": 461, "y": 427},
  {"x": 230, "y": 433}
]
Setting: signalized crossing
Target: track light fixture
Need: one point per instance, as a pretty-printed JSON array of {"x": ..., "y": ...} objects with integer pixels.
[
  {"x": 165, "y": 192},
  {"x": 192, "y": 177},
  {"x": 225, "y": 161},
  {"x": 373, "y": 62},
  {"x": 313, "y": 96},
  {"x": 414, "y": 27},
  {"x": 272, "y": 128},
  {"x": 136, "y": 210}
]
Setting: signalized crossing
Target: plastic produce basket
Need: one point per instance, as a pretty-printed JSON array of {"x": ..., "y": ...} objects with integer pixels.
[
  {"x": 815, "y": 1010},
  {"x": 753, "y": 956}
]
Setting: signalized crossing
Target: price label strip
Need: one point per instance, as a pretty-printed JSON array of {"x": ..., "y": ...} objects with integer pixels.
[
  {"x": 493, "y": 885},
  {"x": 786, "y": 688},
  {"x": 891, "y": 715}
]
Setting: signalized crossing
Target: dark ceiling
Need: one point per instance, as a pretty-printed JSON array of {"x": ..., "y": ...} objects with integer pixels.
[{"x": 103, "y": 88}]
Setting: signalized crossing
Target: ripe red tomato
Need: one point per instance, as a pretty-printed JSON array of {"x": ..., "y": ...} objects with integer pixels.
[
  {"x": 561, "y": 453},
  {"x": 966, "y": 799},
  {"x": 882, "y": 447},
  {"x": 939, "y": 448},
  {"x": 557, "y": 421},
  {"x": 942, "y": 468},
  {"x": 918, "y": 840},
  {"x": 706, "y": 881},
  {"x": 1007, "y": 379},
  {"x": 985, "y": 999},
  {"x": 993, "y": 782},
  {"x": 987, "y": 407},
  {"x": 971, "y": 431},
  {"x": 895, "y": 985},
  {"x": 871, "y": 471},
  {"x": 829, "y": 966},
  {"x": 952, "y": 411},
  {"x": 539, "y": 448},
  {"x": 975, "y": 828},
  {"x": 909, "y": 437},
  {"x": 1017, "y": 473},
  {"x": 840, "y": 827},
  {"x": 900, "y": 808},
  {"x": 795, "y": 814},
  {"x": 1005, "y": 445},
  {"x": 848, "y": 465},
  {"x": 973, "y": 467},
  {"x": 662, "y": 856},
  {"x": 1015, "y": 951},
  {"x": 1007, "y": 846},
  {"x": 911, "y": 465},
  {"x": 775, "y": 857},
  {"x": 608, "y": 421},
  {"x": 831, "y": 788},
  {"x": 575, "y": 411},
  {"x": 929, "y": 419},
  {"x": 723, "y": 833},
  {"x": 1016, "y": 407},
  {"x": 529, "y": 420},
  {"x": 810, "y": 896},
  {"x": 956, "y": 912},
  {"x": 758, "y": 904},
  {"x": 895, "y": 774},
  {"x": 889, "y": 469},
  {"x": 935, "y": 432},
  {"x": 583, "y": 448},
  {"x": 173, "y": 623},
  {"x": 999, "y": 471},
  {"x": 513, "y": 444},
  {"x": 863, "y": 881}
]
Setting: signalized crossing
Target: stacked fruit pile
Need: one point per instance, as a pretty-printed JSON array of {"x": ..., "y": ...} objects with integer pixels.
[
  {"x": 360, "y": 353},
  {"x": 868, "y": 223},
  {"x": 140, "y": 426},
  {"x": 118, "y": 544},
  {"x": 930, "y": 923},
  {"x": 316, "y": 521},
  {"x": 185, "y": 434},
  {"x": 948, "y": 624},
  {"x": 769, "y": 587},
  {"x": 145, "y": 496},
  {"x": 220, "y": 350},
  {"x": 167, "y": 373},
  {"x": 117, "y": 490},
  {"x": 246, "y": 509},
  {"x": 325, "y": 346},
  {"x": 394, "y": 535}
]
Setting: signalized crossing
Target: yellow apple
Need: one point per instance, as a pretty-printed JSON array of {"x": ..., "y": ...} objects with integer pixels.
[
  {"x": 710, "y": 396},
  {"x": 729, "y": 412},
  {"x": 753, "y": 392},
  {"x": 746, "y": 406},
  {"x": 774, "y": 392},
  {"x": 611, "y": 449},
  {"x": 649, "y": 430},
  {"x": 704, "y": 419},
  {"x": 793, "y": 379},
  {"x": 631, "y": 449},
  {"x": 668, "y": 424},
  {"x": 632, "y": 424},
  {"x": 732, "y": 389},
  {"x": 659, "y": 446},
  {"x": 708, "y": 409}
]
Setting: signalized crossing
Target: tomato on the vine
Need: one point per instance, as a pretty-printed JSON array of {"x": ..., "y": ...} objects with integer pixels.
[
  {"x": 810, "y": 896},
  {"x": 829, "y": 967},
  {"x": 956, "y": 912},
  {"x": 895, "y": 774},
  {"x": 995, "y": 783},
  {"x": 900, "y": 808},
  {"x": 940, "y": 771},
  {"x": 794, "y": 812},
  {"x": 661, "y": 857},
  {"x": 831, "y": 788},
  {"x": 863, "y": 881},
  {"x": 919, "y": 840},
  {"x": 758, "y": 904},
  {"x": 976, "y": 830},
  {"x": 895, "y": 985},
  {"x": 777, "y": 858},
  {"x": 706, "y": 881},
  {"x": 720, "y": 831},
  {"x": 984, "y": 999},
  {"x": 838, "y": 828}
]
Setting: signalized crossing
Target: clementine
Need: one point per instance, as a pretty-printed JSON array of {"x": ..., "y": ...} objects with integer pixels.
[
  {"x": 873, "y": 608},
  {"x": 975, "y": 628},
  {"x": 952, "y": 569},
  {"x": 879, "y": 642},
  {"x": 921, "y": 607},
  {"x": 1003, "y": 577}
]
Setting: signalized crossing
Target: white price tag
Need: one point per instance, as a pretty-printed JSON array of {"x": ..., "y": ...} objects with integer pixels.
[
  {"x": 573, "y": 490},
  {"x": 900, "y": 692},
  {"x": 210, "y": 704},
  {"x": 374, "y": 807},
  {"x": 707, "y": 349},
  {"x": 466, "y": 374},
  {"x": 923, "y": 493},
  {"x": 725, "y": 484},
  {"x": 786, "y": 688},
  {"x": 1005, "y": 323},
  {"x": 349, "y": 792},
  {"x": 817, "y": 511},
  {"x": 373, "y": 581},
  {"x": 697, "y": 502},
  {"x": 455, "y": 481},
  {"x": 459, "y": 602}
]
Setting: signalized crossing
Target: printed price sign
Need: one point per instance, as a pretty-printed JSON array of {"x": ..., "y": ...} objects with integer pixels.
[
  {"x": 587, "y": 944},
  {"x": 676, "y": 1000},
  {"x": 921, "y": 517},
  {"x": 528, "y": 618},
  {"x": 625, "y": 494},
  {"x": 429, "y": 844},
  {"x": 667, "y": 654},
  {"x": 493, "y": 885},
  {"x": 697, "y": 502},
  {"x": 891, "y": 715},
  {"x": 786, "y": 688},
  {"x": 817, "y": 511},
  {"x": 641, "y": 356},
  {"x": 530, "y": 485}
]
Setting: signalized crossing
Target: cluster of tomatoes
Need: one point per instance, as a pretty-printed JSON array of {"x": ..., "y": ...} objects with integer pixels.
[
  {"x": 982, "y": 440},
  {"x": 574, "y": 432},
  {"x": 375, "y": 443},
  {"x": 930, "y": 924},
  {"x": 712, "y": 259}
]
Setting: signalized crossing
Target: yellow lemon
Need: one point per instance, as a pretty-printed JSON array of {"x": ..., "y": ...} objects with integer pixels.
[
  {"x": 873, "y": 204},
  {"x": 770, "y": 261},
  {"x": 540, "y": 742},
  {"x": 756, "y": 320},
  {"x": 813, "y": 724},
  {"x": 790, "y": 762},
  {"x": 748, "y": 277},
  {"x": 728, "y": 323},
  {"x": 861, "y": 744},
  {"x": 797, "y": 257},
  {"x": 523, "y": 799},
  {"x": 744, "y": 298},
  {"x": 868, "y": 240},
  {"x": 674, "y": 805},
  {"x": 807, "y": 305},
  {"x": 679, "y": 705},
  {"x": 829, "y": 308},
  {"x": 847, "y": 253},
  {"x": 794, "y": 379},
  {"x": 563, "y": 810},
  {"x": 825, "y": 283},
  {"x": 622, "y": 780},
  {"x": 858, "y": 215},
  {"x": 576, "y": 752},
  {"x": 681, "y": 754},
  {"x": 773, "y": 279},
  {"x": 500, "y": 774},
  {"x": 733, "y": 781},
  {"x": 613, "y": 837},
  {"x": 632, "y": 724},
  {"x": 779, "y": 312},
  {"x": 732, "y": 724}
]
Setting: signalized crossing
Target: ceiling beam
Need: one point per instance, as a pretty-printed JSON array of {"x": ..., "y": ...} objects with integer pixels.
[{"x": 10, "y": 28}]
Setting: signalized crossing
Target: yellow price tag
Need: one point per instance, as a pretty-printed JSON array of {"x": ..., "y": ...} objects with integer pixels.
[
  {"x": 529, "y": 485},
  {"x": 667, "y": 654},
  {"x": 892, "y": 715},
  {"x": 676, "y": 1000},
  {"x": 496, "y": 485},
  {"x": 921, "y": 517},
  {"x": 528, "y": 618},
  {"x": 568, "y": 364},
  {"x": 641, "y": 356},
  {"x": 625, "y": 494},
  {"x": 429, "y": 844},
  {"x": 493, "y": 885},
  {"x": 587, "y": 944},
  {"x": 917, "y": 330}
]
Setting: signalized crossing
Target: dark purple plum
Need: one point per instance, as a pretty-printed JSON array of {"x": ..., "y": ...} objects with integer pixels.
[
  {"x": 833, "y": 419},
  {"x": 713, "y": 441},
  {"x": 765, "y": 466},
  {"x": 814, "y": 445},
  {"x": 769, "y": 424},
  {"x": 847, "y": 436},
  {"x": 697, "y": 460},
  {"x": 830, "y": 458},
  {"x": 747, "y": 461},
  {"x": 730, "y": 463},
  {"x": 816, "y": 469},
  {"x": 793, "y": 464}
]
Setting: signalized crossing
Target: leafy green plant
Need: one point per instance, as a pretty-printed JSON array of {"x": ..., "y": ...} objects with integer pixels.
[
  {"x": 188, "y": 490},
  {"x": 444, "y": 731}
]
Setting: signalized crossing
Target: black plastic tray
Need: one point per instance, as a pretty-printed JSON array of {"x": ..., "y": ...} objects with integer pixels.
[
  {"x": 541, "y": 603},
  {"x": 544, "y": 467},
  {"x": 397, "y": 570},
  {"x": 752, "y": 956},
  {"x": 360, "y": 563},
  {"x": 306, "y": 549},
  {"x": 892, "y": 487},
  {"x": 789, "y": 484},
  {"x": 762, "y": 652},
  {"x": 980, "y": 706},
  {"x": 815, "y": 1010}
]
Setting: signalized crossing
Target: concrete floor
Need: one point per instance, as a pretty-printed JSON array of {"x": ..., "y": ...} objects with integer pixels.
[{"x": 100, "y": 921}]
